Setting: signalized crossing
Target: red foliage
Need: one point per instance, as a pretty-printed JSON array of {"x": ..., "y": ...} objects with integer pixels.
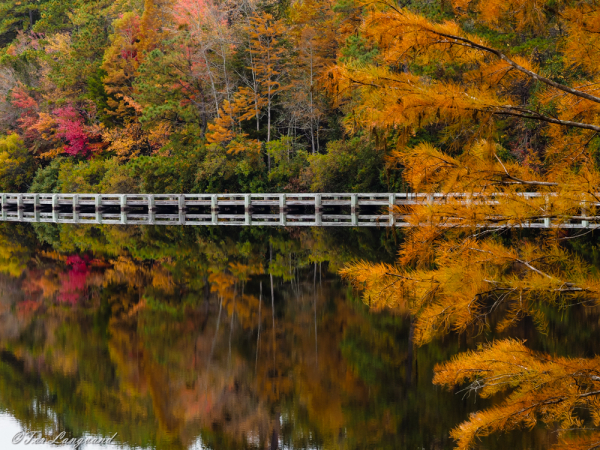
[
  {"x": 72, "y": 129},
  {"x": 129, "y": 54},
  {"x": 29, "y": 115}
]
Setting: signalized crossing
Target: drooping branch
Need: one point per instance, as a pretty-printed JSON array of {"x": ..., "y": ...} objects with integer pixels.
[
  {"x": 532, "y": 115},
  {"x": 474, "y": 45}
]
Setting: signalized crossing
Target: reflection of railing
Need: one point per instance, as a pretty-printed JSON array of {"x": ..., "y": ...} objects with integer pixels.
[
  {"x": 221, "y": 209},
  {"x": 152, "y": 218}
]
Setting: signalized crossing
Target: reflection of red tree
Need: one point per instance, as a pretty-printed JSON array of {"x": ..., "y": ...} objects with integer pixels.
[
  {"x": 73, "y": 283},
  {"x": 27, "y": 308}
]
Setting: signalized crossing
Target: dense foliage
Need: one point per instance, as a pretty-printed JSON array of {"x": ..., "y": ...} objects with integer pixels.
[
  {"x": 489, "y": 99},
  {"x": 182, "y": 96}
]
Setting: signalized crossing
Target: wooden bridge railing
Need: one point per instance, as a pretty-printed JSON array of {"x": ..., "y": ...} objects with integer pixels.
[{"x": 360, "y": 209}]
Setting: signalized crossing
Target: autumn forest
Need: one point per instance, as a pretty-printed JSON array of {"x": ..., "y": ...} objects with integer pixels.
[{"x": 473, "y": 326}]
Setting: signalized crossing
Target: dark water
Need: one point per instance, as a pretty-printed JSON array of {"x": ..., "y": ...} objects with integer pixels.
[{"x": 225, "y": 338}]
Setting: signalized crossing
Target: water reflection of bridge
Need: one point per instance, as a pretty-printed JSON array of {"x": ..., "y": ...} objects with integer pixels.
[{"x": 335, "y": 209}]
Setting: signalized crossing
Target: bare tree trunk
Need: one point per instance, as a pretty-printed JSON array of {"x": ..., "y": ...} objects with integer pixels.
[
  {"x": 315, "y": 304},
  {"x": 258, "y": 334},
  {"x": 212, "y": 83}
]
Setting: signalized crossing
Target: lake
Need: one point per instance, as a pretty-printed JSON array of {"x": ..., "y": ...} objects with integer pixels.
[{"x": 227, "y": 338}]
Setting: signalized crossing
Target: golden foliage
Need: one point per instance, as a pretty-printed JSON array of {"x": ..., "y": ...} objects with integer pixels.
[
  {"x": 520, "y": 14},
  {"x": 382, "y": 97},
  {"x": 538, "y": 387},
  {"x": 474, "y": 279},
  {"x": 231, "y": 114}
]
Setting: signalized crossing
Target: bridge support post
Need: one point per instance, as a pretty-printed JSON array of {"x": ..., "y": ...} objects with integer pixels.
[{"x": 4, "y": 206}]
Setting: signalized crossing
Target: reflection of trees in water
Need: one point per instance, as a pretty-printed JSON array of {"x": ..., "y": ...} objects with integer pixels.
[
  {"x": 168, "y": 344},
  {"x": 163, "y": 346},
  {"x": 462, "y": 281}
]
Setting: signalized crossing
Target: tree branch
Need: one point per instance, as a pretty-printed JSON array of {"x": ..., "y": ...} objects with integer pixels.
[{"x": 502, "y": 56}]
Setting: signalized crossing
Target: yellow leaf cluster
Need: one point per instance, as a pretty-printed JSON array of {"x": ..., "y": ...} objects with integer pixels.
[
  {"x": 466, "y": 282},
  {"x": 538, "y": 387}
]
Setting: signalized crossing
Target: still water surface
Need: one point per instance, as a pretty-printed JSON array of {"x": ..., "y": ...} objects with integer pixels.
[{"x": 226, "y": 338}]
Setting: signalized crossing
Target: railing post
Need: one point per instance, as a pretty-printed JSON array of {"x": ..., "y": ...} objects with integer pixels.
[
  {"x": 36, "y": 203},
  {"x": 181, "y": 208},
  {"x": 151, "y": 217},
  {"x": 4, "y": 206},
  {"x": 55, "y": 208},
  {"x": 353, "y": 202},
  {"x": 214, "y": 209},
  {"x": 547, "y": 220},
  {"x": 282, "y": 209},
  {"x": 20, "y": 201},
  {"x": 98, "y": 207},
  {"x": 584, "y": 223},
  {"x": 392, "y": 205},
  {"x": 123, "y": 202},
  {"x": 75, "y": 208},
  {"x": 247, "y": 216},
  {"x": 150, "y": 202},
  {"x": 318, "y": 202}
]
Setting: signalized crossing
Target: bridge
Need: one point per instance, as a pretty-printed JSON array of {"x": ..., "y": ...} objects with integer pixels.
[{"x": 301, "y": 209}]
